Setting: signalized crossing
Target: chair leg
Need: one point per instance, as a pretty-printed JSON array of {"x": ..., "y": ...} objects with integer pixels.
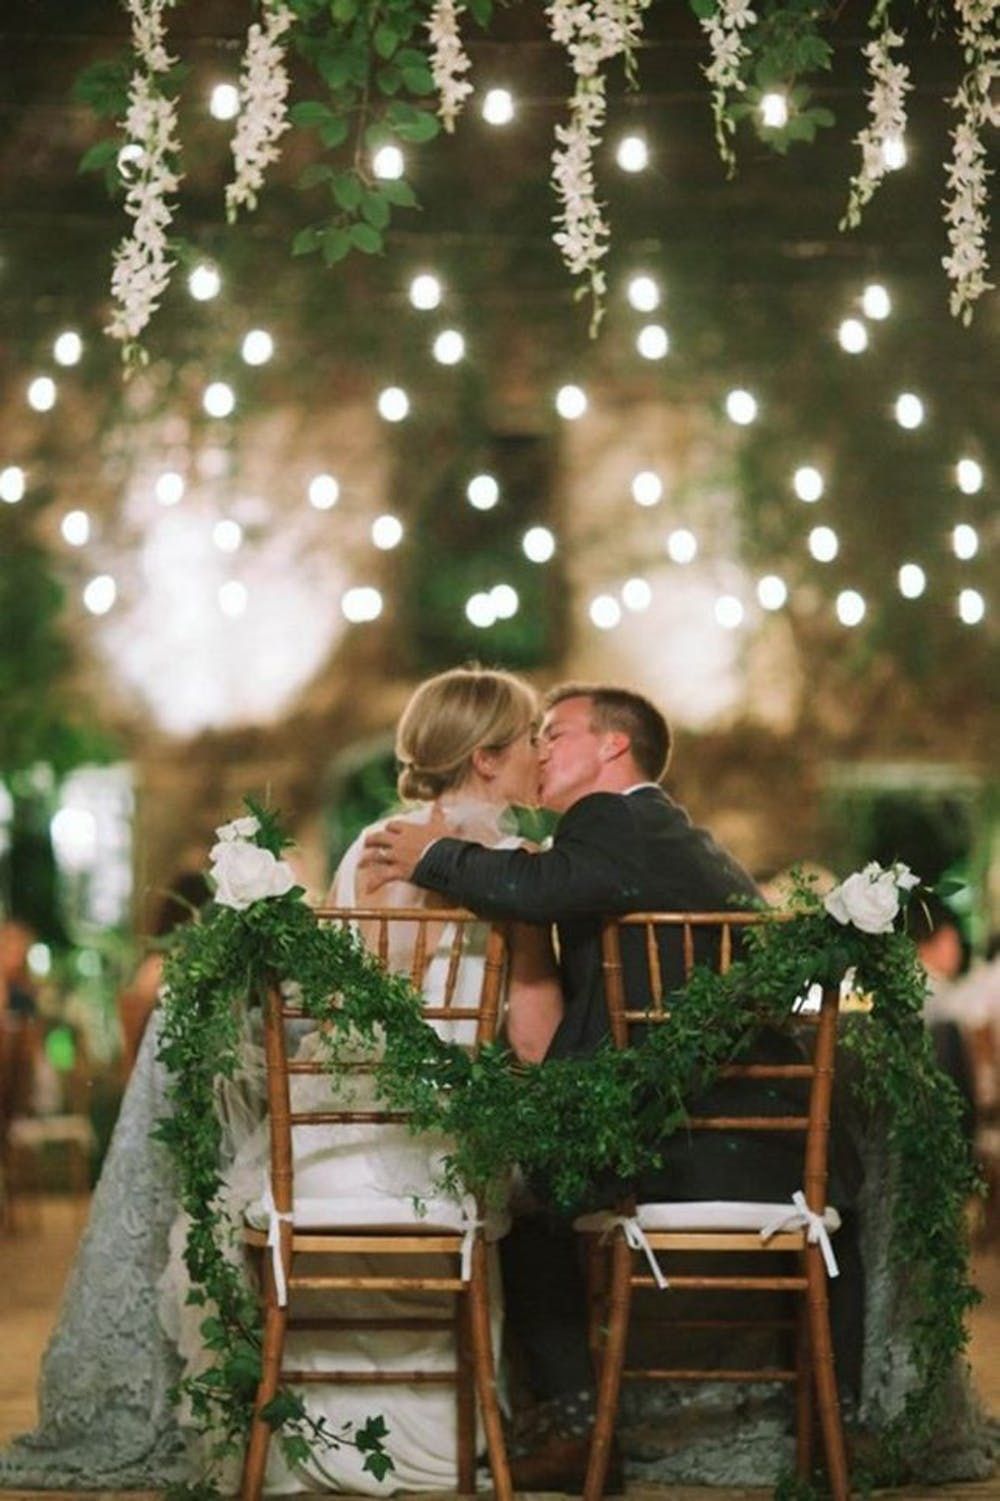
[
  {"x": 619, "y": 1301},
  {"x": 259, "y": 1440},
  {"x": 465, "y": 1398},
  {"x": 803, "y": 1392},
  {"x": 827, "y": 1399},
  {"x": 485, "y": 1368}
]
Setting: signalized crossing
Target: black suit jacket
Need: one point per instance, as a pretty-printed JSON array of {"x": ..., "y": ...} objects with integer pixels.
[{"x": 612, "y": 853}]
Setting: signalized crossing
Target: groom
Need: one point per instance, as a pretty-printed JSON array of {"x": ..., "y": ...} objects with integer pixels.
[{"x": 622, "y": 845}]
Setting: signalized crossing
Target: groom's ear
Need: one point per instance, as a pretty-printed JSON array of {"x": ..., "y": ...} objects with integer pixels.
[
  {"x": 484, "y": 762},
  {"x": 615, "y": 744}
]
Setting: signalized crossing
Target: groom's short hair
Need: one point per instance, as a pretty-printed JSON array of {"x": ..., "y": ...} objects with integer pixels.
[{"x": 629, "y": 713}]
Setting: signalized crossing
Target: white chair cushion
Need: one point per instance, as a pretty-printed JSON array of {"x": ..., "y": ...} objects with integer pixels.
[
  {"x": 706, "y": 1214},
  {"x": 370, "y": 1213}
]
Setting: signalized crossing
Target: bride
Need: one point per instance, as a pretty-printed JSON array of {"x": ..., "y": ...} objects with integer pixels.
[
  {"x": 465, "y": 744},
  {"x": 107, "y": 1420}
]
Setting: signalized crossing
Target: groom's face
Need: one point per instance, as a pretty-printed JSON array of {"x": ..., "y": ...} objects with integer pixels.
[{"x": 569, "y": 754}]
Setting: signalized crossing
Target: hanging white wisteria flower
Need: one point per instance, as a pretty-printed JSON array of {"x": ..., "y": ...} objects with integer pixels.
[
  {"x": 890, "y": 83},
  {"x": 967, "y": 174},
  {"x": 263, "y": 116},
  {"x": 592, "y": 31},
  {"x": 142, "y": 262},
  {"x": 725, "y": 28},
  {"x": 449, "y": 60}
]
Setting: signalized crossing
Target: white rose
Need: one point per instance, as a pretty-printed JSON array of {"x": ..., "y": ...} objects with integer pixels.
[
  {"x": 240, "y": 828},
  {"x": 904, "y": 877},
  {"x": 243, "y": 873},
  {"x": 868, "y": 900}
]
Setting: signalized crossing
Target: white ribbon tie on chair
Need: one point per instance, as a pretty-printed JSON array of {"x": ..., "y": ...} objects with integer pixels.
[
  {"x": 274, "y": 1219},
  {"x": 469, "y": 1228},
  {"x": 801, "y": 1217},
  {"x": 636, "y": 1240}
]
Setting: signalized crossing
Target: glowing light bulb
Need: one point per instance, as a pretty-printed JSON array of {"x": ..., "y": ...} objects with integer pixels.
[
  {"x": 772, "y": 592},
  {"x": 257, "y": 347},
  {"x": 100, "y": 594},
  {"x": 227, "y": 535},
  {"x": 75, "y": 528},
  {"x": 728, "y": 611},
  {"x": 823, "y": 544},
  {"x": 224, "y": 101},
  {"x": 504, "y": 600},
  {"x": 388, "y": 163},
  {"x": 852, "y": 336},
  {"x": 969, "y": 476},
  {"x": 971, "y": 606},
  {"x": 605, "y": 612},
  {"x": 169, "y": 487},
  {"x": 807, "y": 483},
  {"x": 636, "y": 594},
  {"x": 965, "y": 541},
  {"x": 393, "y": 404},
  {"x": 74, "y": 836},
  {"x": 876, "y": 302},
  {"x": 894, "y": 153},
  {"x": 12, "y": 484},
  {"x": 909, "y": 410},
  {"x": 233, "y": 598},
  {"x": 912, "y": 581},
  {"x": 479, "y": 610},
  {"x": 498, "y": 107},
  {"x": 425, "y": 291},
  {"x": 482, "y": 492},
  {"x": 653, "y": 341},
  {"x": 324, "y": 492},
  {"x": 131, "y": 159},
  {"x": 741, "y": 407},
  {"x": 68, "y": 348},
  {"x": 632, "y": 155},
  {"x": 850, "y": 607},
  {"x": 204, "y": 283},
  {"x": 647, "y": 488},
  {"x": 538, "y": 544},
  {"x": 643, "y": 294},
  {"x": 449, "y": 347},
  {"x": 42, "y": 393},
  {"x": 571, "y": 402},
  {"x": 682, "y": 545},
  {"x": 219, "y": 399},
  {"x": 361, "y": 604},
  {"x": 387, "y": 532},
  {"x": 774, "y": 111}
]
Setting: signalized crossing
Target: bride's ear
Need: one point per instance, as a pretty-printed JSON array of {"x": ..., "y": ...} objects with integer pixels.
[{"x": 484, "y": 763}]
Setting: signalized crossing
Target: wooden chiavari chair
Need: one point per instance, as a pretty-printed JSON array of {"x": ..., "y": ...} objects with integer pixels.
[
  {"x": 298, "y": 1229},
  {"x": 659, "y": 1229}
]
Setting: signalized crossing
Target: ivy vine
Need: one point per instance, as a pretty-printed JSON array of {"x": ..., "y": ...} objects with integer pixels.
[{"x": 563, "y": 1120}]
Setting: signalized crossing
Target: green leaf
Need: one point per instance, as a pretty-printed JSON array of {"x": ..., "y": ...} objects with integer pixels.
[
  {"x": 419, "y": 80},
  {"x": 365, "y": 238},
  {"x": 315, "y": 173},
  {"x": 376, "y": 209},
  {"x": 398, "y": 193},
  {"x": 389, "y": 79},
  {"x": 103, "y": 87},
  {"x": 306, "y": 241},
  {"x": 334, "y": 132},
  {"x": 347, "y": 190},
  {"x": 310, "y": 113},
  {"x": 336, "y": 243},
  {"x": 411, "y": 57},
  {"x": 100, "y": 155},
  {"x": 704, "y": 9},
  {"x": 481, "y": 12},
  {"x": 424, "y": 128},
  {"x": 344, "y": 10},
  {"x": 386, "y": 40}
]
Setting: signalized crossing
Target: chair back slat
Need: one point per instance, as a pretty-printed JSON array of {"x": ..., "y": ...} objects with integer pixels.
[
  {"x": 642, "y": 951},
  {"x": 463, "y": 956}
]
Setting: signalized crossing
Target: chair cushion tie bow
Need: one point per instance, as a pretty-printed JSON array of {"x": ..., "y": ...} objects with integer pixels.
[{"x": 817, "y": 1227}]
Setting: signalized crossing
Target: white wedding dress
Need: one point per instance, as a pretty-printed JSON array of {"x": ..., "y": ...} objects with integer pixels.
[{"x": 356, "y": 1175}]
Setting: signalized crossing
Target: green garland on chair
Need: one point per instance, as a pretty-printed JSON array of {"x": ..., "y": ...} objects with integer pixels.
[{"x": 562, "y": 1120}]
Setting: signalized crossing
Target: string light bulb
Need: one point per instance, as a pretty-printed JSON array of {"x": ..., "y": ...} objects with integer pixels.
[
  {"x": 68, "y": 348},
  {"x": 482, "y": 492},
  {"x": 100, "y": 594},
  {"x": 772, "y": 592},
  {"x": 219, "y": 399},
  {"x": 323, "y": 492},
  {"x": 807, "y": 482},
  {"x": 504, "y": 600},
  {"x": 257, "y": 347},
  {"x": 852, "y": 336},
  {"x": 12, "y": 484},
  {"x": 965, "y": 541},
  {"x": 647, "y": 488},
  {"x": 741, "y": 407},
  {"x": 682, "y": 545},
  {"x": 227, "y": 535},
  {"x": 169, "y": 487},
  {"x": 538, "y": 544},
  {"x": 571, "y": 402},
  {"x": 850, "y": 607},
  {"x": 498, "y": 107},
  {"x": 224, "y": 101},
  {"x": 636, "y": 594},
  {"x": 479, "y": 610},
  {"x": 823, "y": 544},
  {"x": 42, "y": 393},
  {"x": 393, "y": 404},
  {"x": 774, "y": 110},
  {"x": 632, "y": 155},
  {"x": 912, "y": 580},
  {"x": 75, "y": 528},
  {"x": 971, "y": 606},
  {"x": 653, "y": 341},
  {"x": 388, "y": 163},
  {"x": 449, "y": 347},
  {"x": 204, "y": 283},
  {"x": 969, "y": 476},
  {"x": 387, "y": 532},
  {"x": 361, "y": 605},
  {"x": 605, "y": 612},
  {"x": 728, "y": 611},
  {"x": 894, "y": 153},
  {"x": 909, "y": 410},
  {"x": 425, "y": 292},
  {"x": 875, "y": 301},
  {"x": 643, "y": 294}
]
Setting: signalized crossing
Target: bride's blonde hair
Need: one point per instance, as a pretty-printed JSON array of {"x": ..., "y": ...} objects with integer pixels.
[{"x": 452, "y": 715}]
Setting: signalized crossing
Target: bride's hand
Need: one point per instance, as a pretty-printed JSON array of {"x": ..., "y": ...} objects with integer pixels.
[{"x": 393, "y": 853}]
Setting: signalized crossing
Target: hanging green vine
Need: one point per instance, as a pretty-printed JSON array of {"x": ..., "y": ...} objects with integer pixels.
[{"x": 562, "y": 1120}]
